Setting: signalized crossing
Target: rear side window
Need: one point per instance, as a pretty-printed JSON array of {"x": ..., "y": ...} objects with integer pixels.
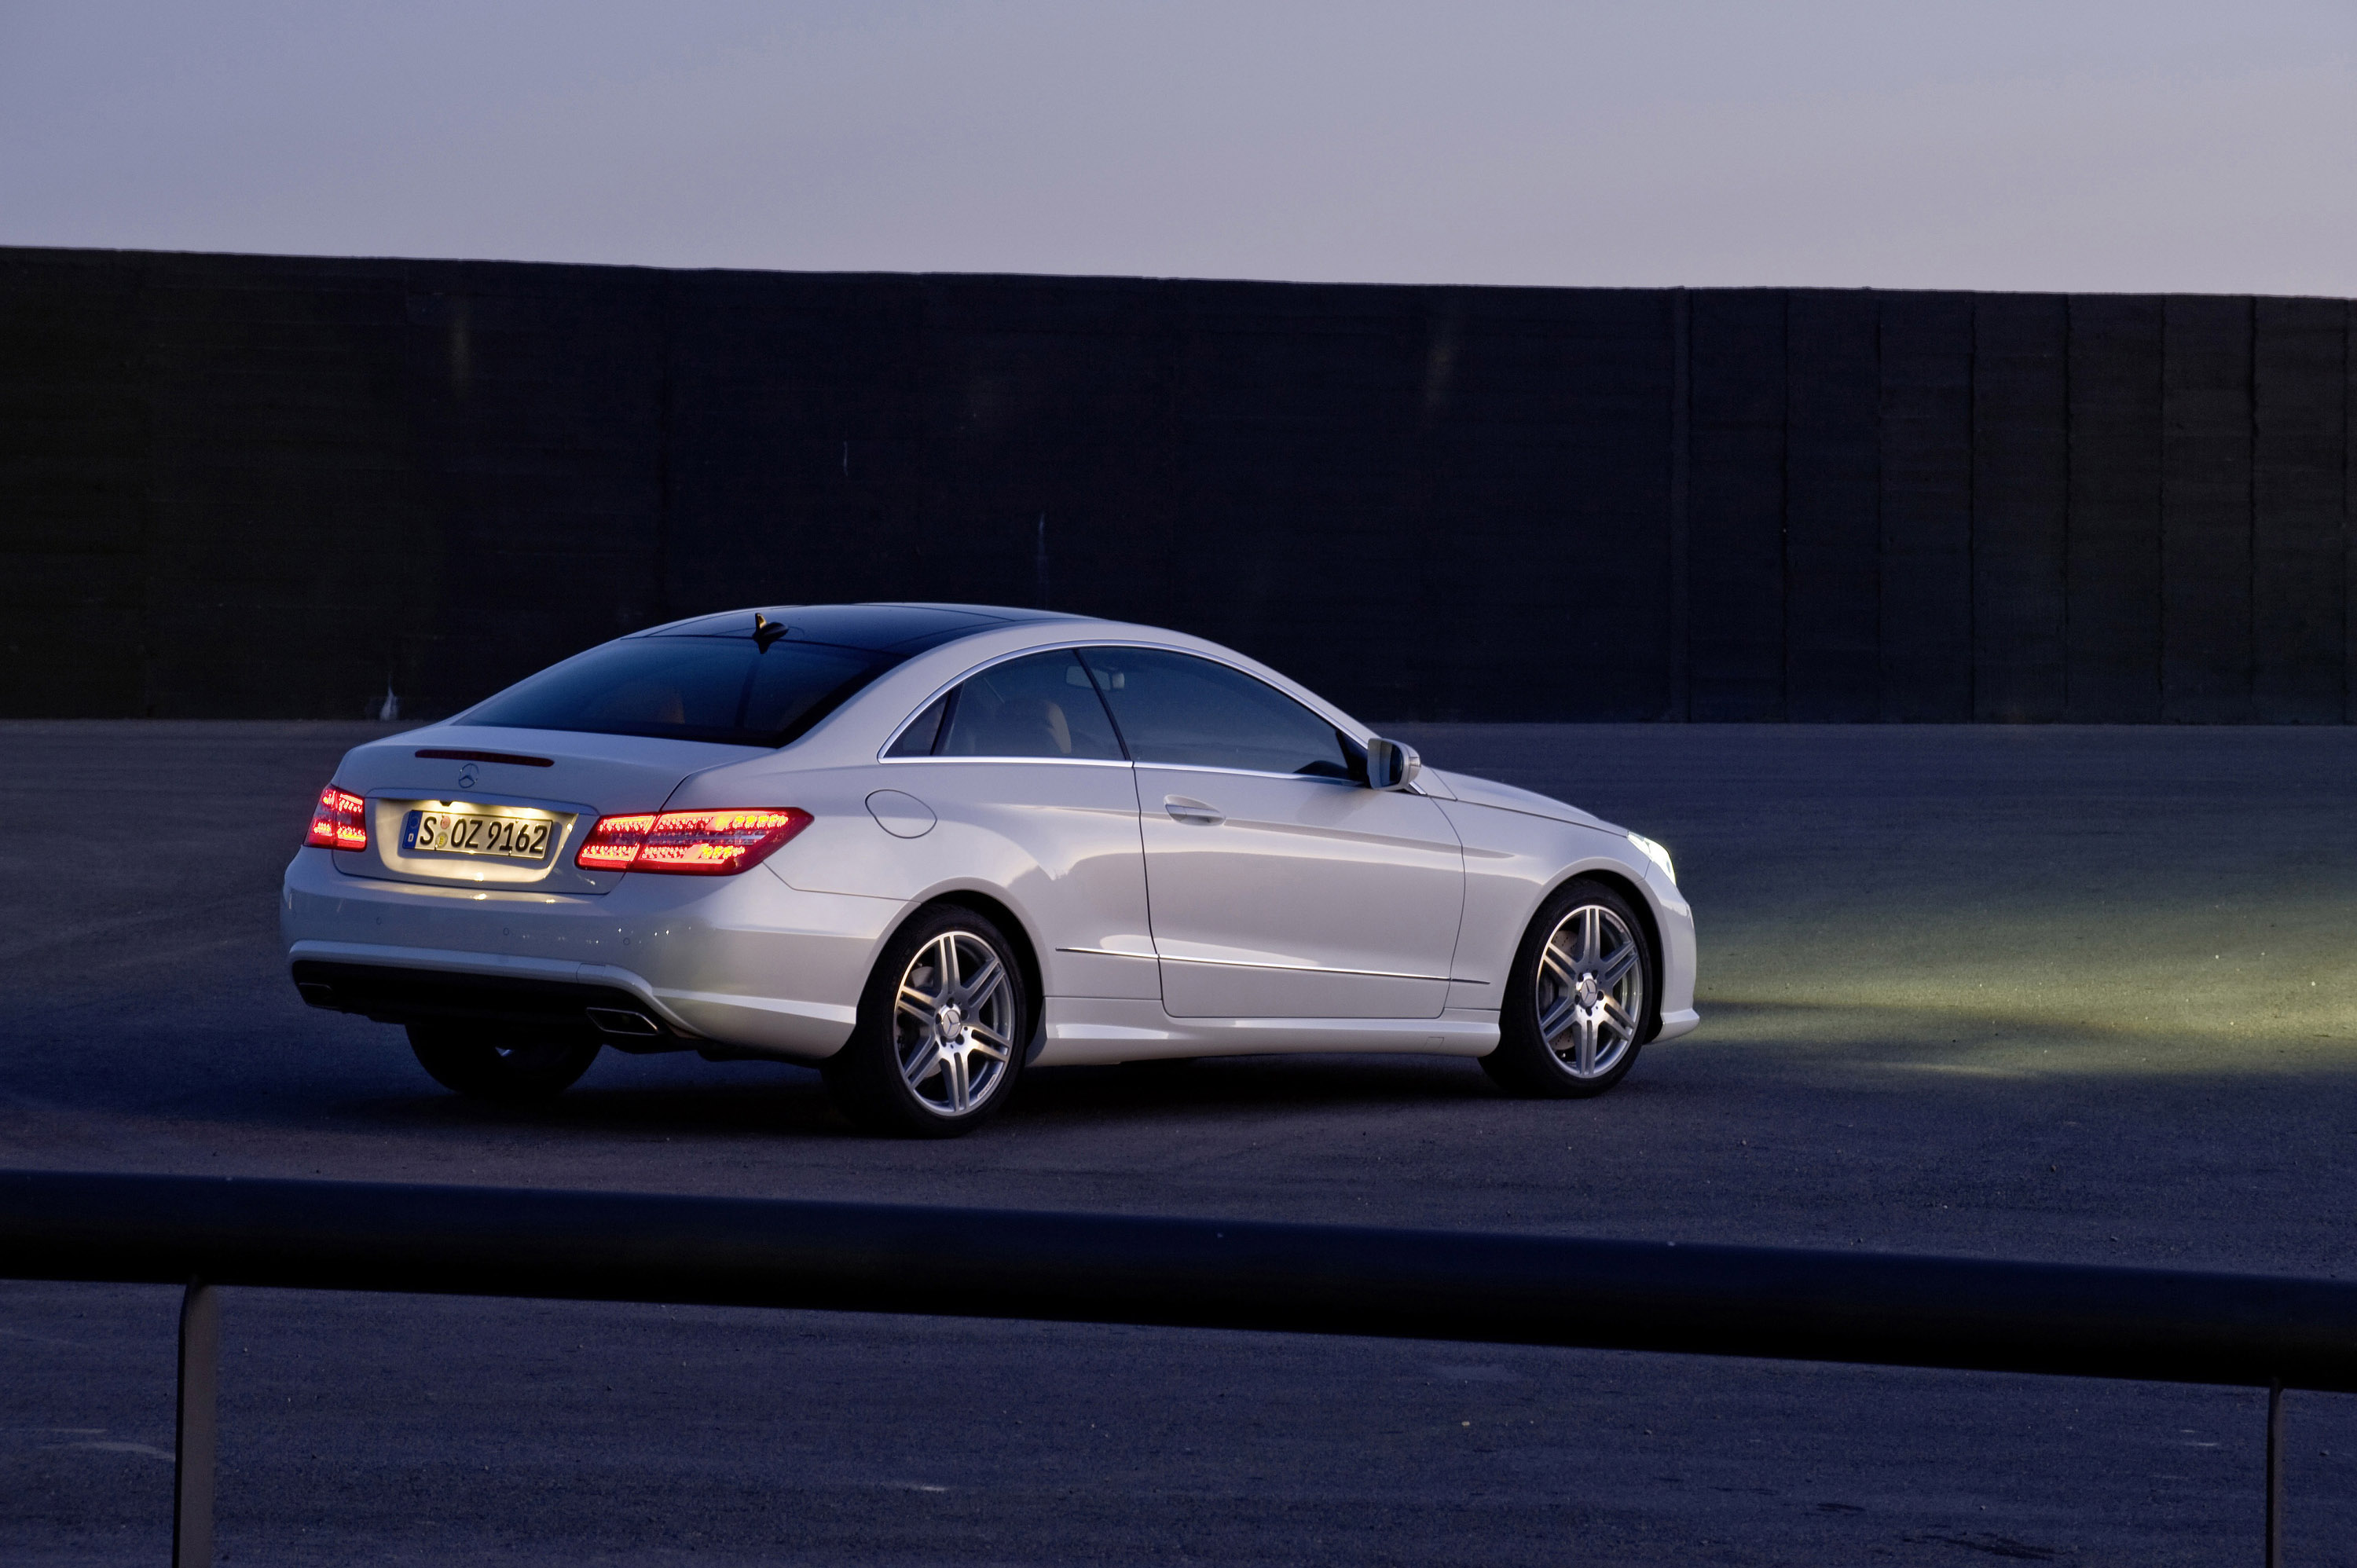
[
  {"x": 725, "y": 689},
  {"x": 923, "y": 730},
  {"x": 1041, "y": 705},
  {"x": 1176, "y": 708}
]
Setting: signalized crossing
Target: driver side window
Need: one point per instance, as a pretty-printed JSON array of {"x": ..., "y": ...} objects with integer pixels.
[{"x": 1175, "y": 708}]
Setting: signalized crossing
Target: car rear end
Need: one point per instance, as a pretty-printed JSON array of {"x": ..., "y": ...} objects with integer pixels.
[
  {"x": 471, "y": 881},
  {"x": 519, "y": 868}
]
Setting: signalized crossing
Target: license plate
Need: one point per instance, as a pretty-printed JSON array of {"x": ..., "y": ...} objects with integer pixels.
[{"x": 476, "y": 833}]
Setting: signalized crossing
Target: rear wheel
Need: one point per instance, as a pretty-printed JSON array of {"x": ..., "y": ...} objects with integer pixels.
[
  {"x": 486, "y": 1062},
  {"x": 1577, "y": 999},
  {"x": 941, "y": 1032}
]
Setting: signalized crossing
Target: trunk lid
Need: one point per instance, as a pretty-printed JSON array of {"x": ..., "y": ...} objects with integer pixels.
[{"x": 538, "y": 789}]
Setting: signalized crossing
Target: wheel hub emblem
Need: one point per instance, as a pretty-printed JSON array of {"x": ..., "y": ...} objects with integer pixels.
[
  {"x": 1588, "y": 990},
  {"x": 948, "y": 1022}
]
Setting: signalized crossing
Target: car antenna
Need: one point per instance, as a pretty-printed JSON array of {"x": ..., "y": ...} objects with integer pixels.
[{"x": 766, "y": 631}]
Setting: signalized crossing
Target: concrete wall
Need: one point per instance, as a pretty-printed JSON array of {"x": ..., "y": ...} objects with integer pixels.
[{"x": 260, "y": 487}]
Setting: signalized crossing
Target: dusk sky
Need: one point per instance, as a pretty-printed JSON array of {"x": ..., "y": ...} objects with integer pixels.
[{"x": 2154, "y": 147}]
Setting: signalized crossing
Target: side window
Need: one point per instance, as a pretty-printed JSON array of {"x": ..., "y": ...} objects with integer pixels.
[
  {"x": 923, "y": 730},
  {"x": 1041, "y": 705},
  {"x": 1176, "y": 708}
]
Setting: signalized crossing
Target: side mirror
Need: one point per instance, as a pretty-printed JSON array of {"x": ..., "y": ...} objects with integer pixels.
[{"x": 1392, "y": 765}]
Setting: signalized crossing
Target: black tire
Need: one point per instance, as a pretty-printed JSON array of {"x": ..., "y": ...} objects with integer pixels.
[
  {"x": 941, "y": 1033},
  {"x": 504, "y": 1066},
  {"x": 1580, "y": 1000}
]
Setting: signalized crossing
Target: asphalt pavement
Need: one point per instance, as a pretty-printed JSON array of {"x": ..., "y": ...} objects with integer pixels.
[{"x": 2069, "y": 993}]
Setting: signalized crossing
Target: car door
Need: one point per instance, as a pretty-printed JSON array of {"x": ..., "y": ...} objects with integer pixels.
[
  {"x": 1278, "y": 884},
  {"x": 1021, "y": 768}
]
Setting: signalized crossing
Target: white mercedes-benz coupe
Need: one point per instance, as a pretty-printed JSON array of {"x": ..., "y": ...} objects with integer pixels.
[{"x": 924, "y": 847}]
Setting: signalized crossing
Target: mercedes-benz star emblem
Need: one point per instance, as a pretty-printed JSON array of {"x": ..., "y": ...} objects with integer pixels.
[{"x": 466, "y": 776}]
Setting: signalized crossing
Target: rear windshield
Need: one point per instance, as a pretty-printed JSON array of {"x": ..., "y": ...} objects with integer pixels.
[{"x": 725, "y": 689}]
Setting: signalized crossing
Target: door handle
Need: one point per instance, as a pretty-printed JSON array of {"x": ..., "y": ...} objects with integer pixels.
[{"x": 1183, "y": 810}]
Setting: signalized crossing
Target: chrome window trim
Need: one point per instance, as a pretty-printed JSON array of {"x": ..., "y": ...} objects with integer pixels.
[
  {"x": 1251, "y": 773},
  {"x": 1048, "y": 761}
]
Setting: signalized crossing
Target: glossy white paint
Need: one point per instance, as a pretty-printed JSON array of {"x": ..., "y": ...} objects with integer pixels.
[
  {"x": 1054, "y": 841},
  {"x": 1514, "y": 857},
  {"x": 1290, "y": 898},
  {"x": 744, "y": 960},
  {"x": 1171, "y": 911}
]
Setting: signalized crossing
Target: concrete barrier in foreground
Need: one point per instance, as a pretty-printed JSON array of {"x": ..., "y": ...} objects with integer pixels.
[{"x": 2264, "y": 1331}]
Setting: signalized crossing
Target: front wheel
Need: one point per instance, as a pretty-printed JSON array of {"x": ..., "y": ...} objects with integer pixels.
[
  {"x": 1578, "y": 998},
  {"x": 487, "y": 1063},
  {"x": 940, "y": 1033}
]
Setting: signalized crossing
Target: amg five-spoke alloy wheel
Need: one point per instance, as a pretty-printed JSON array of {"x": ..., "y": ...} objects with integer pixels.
[
  {"x": 941, "y": 1032},
  {"x": 1577, "y": 1000}
]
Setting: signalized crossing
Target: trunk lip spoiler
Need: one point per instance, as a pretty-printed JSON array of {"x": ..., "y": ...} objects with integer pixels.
[{"x": 444, "y": 754}]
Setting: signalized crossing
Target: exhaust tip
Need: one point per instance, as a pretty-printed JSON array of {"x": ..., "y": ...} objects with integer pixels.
[
  {"x": 623, "y": 1021},
  {"x": 317, "y": 993}
]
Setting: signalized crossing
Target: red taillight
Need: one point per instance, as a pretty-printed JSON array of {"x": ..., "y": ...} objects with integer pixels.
[
  {"x": 339, "y": 822},
  {"x": 690, "y": 844},
  {"x": 614, "y": 843}
]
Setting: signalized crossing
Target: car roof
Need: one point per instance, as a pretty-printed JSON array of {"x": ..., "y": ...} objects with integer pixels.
[{"x": 875, "y": 627}]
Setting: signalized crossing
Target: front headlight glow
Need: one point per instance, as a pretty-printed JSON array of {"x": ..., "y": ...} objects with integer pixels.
[{"x": 1657, "y": 855}]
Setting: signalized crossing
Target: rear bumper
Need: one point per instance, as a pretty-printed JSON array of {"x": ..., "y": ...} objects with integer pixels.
[
  {"x": 394, "y": 994},
  {"x": 743, "y": 962}
]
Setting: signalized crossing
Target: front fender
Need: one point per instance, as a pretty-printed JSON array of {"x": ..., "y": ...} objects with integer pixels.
[{"x": 1514, "y": 861}]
